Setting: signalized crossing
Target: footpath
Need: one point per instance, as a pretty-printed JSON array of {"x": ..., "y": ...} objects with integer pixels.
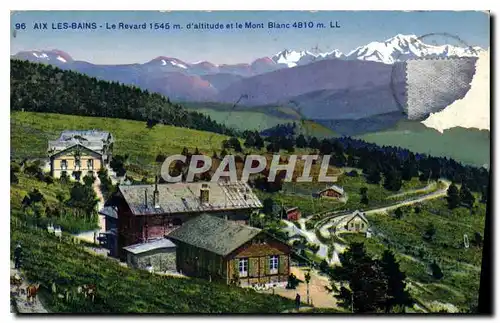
[{"x": 18, "y": 296}]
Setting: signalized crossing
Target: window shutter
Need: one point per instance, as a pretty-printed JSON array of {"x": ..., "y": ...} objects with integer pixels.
[
  {"x": 236, "y": 266},
  {"x": 253, "y": 264},
  {"x": 266, "y": 266}
]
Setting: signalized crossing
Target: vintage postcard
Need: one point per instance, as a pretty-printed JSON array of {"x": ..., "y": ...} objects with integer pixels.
[{"x": 249, "y": 162}]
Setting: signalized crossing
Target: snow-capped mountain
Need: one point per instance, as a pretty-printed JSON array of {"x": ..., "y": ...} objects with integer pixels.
[
  {"x": 54, "y": 56},
  {"x": 397, "y": 48},
  {"x": 291, "y": 58},
  {"x": 404, "y": 47}
]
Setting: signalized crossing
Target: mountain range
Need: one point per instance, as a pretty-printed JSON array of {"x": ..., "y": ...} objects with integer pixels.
[{"x": 323, "y": 86}]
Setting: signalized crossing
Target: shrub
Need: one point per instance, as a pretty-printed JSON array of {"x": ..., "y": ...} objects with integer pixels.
[
  {"x": 309, "y": 225},
  {"x": 293, "y": 282},
  {"x": 49, "y": 179},
  {"x": 436, "y": 270},
  {"x": 15, "y": 167}
]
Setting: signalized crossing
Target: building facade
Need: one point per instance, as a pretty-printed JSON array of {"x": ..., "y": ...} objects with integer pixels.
[
  {"x": 222, "y": 250},
  {"x": 79, "y": 153},
  {"x": 158, "y": 254},
  {"x": 357, "y": 222},
  {"x": 333, "y": 191},
  {"x": 146, "y": 212}
]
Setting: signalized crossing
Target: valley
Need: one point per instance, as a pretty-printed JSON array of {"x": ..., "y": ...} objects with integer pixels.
[{"x": 397, "y": 228}]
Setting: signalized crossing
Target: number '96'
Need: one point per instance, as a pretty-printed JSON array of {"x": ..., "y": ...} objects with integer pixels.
[{"x": 20, "y": 26}]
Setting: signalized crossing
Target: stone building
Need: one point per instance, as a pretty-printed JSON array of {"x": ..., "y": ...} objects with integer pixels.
[
  {"x": 157, "y": 253},
  {"x": 221, "y": 250},
  {"x": 78, "y": 153}
]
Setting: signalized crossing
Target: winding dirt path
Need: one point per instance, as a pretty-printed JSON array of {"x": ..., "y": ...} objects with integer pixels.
[{"x": 19, "y": 302}]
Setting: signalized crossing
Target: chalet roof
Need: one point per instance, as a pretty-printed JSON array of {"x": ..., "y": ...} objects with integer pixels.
[
  {"x": 358, "y": 214},
  {"x": 185, "y": 197},
  {"x": 92, "y": 139},
  {"x": 214, "y": 234},
  {"x": 336, "y": 188},
  {"x": 150, "y": 245},
  {"x": 109, "y": 211}
]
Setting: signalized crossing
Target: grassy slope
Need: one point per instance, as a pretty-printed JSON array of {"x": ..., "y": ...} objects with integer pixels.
[
  {"x": 30, "y": 132},
  {"x": 300, "y": 194},
  {"x": 27, "y": 184},
  {"x": 68, "y": 221},
  {"x": 258, "y": 118},
  {"x": 461, "y": 267},
  {"x": 243, "y": 120},
  {"x": 470, "y": 146},
  {"x": 124, "y": 290}
]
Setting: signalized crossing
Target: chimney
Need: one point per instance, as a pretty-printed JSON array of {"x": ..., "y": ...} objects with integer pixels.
[
  {"x": 204, "y": 193},
  {"x": 156, "y": 195}
]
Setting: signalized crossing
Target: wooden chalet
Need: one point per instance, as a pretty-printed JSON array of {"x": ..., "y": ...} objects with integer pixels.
[
  {"x": 221, "y": 250},
  {"x": 138, "y": 213},
  {"x": 332, "y": 191}
]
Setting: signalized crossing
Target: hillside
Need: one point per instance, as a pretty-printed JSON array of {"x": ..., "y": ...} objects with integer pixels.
[
  {"x": 43, "y": 88},
  {"x": 470, "y": 146},
  {"x": 30, "y": 132},
  {"x": 124, "y": 290}
]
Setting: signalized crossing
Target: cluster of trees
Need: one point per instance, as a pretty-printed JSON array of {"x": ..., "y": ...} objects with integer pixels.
[
  {"x": 117, "y": 164},
  {"x": 394, "y": 163},
  {"x": 370, "y": 285},
  {"x": 456, "y": 197},
  {"x": 77, "y": 208},
  {"x": 253, "y": 140},
  {"x": 107, "y": 187},
  {"x": 44, "y": 88}
]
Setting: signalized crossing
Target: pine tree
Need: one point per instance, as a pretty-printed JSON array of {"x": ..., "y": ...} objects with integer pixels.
[
  {"x": 396, "y": 286},
  {"x": 466, "y": 196},
  {"x": 484, "y": 194},
  {"x": 300, "y": 142},
  {"x": 398, "y": 213},
  {"x": 268, "y": 206},
  {"x": 373, "y": 176},
  {"x": 436, "y": 270},
  {"x": 453, "y": 196},
  {"x": 314, "y": 143},
  {"x": 259, "y": 142},
  {"x": 430, "y": 232},
  {"x": 249, "y": 140},
  {"x": 392, "y": 180},
  {"x": 365, "y": 278}
]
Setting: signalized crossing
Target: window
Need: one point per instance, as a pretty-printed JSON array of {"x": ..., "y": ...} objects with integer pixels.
[
  {"x": 64, "y": 164},
  {"x": 273, "y": 264},
  {"x": 77, "y": 163},
  {"x": 243, "y": 267},
  {"x": 90, "y": 164}
]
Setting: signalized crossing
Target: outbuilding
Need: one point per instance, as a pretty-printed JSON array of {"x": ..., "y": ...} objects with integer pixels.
[{"x": 156, "y": 253}]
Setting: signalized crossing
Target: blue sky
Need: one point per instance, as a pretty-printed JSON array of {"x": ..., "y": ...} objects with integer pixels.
[{"x": 234, "y": 46}]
